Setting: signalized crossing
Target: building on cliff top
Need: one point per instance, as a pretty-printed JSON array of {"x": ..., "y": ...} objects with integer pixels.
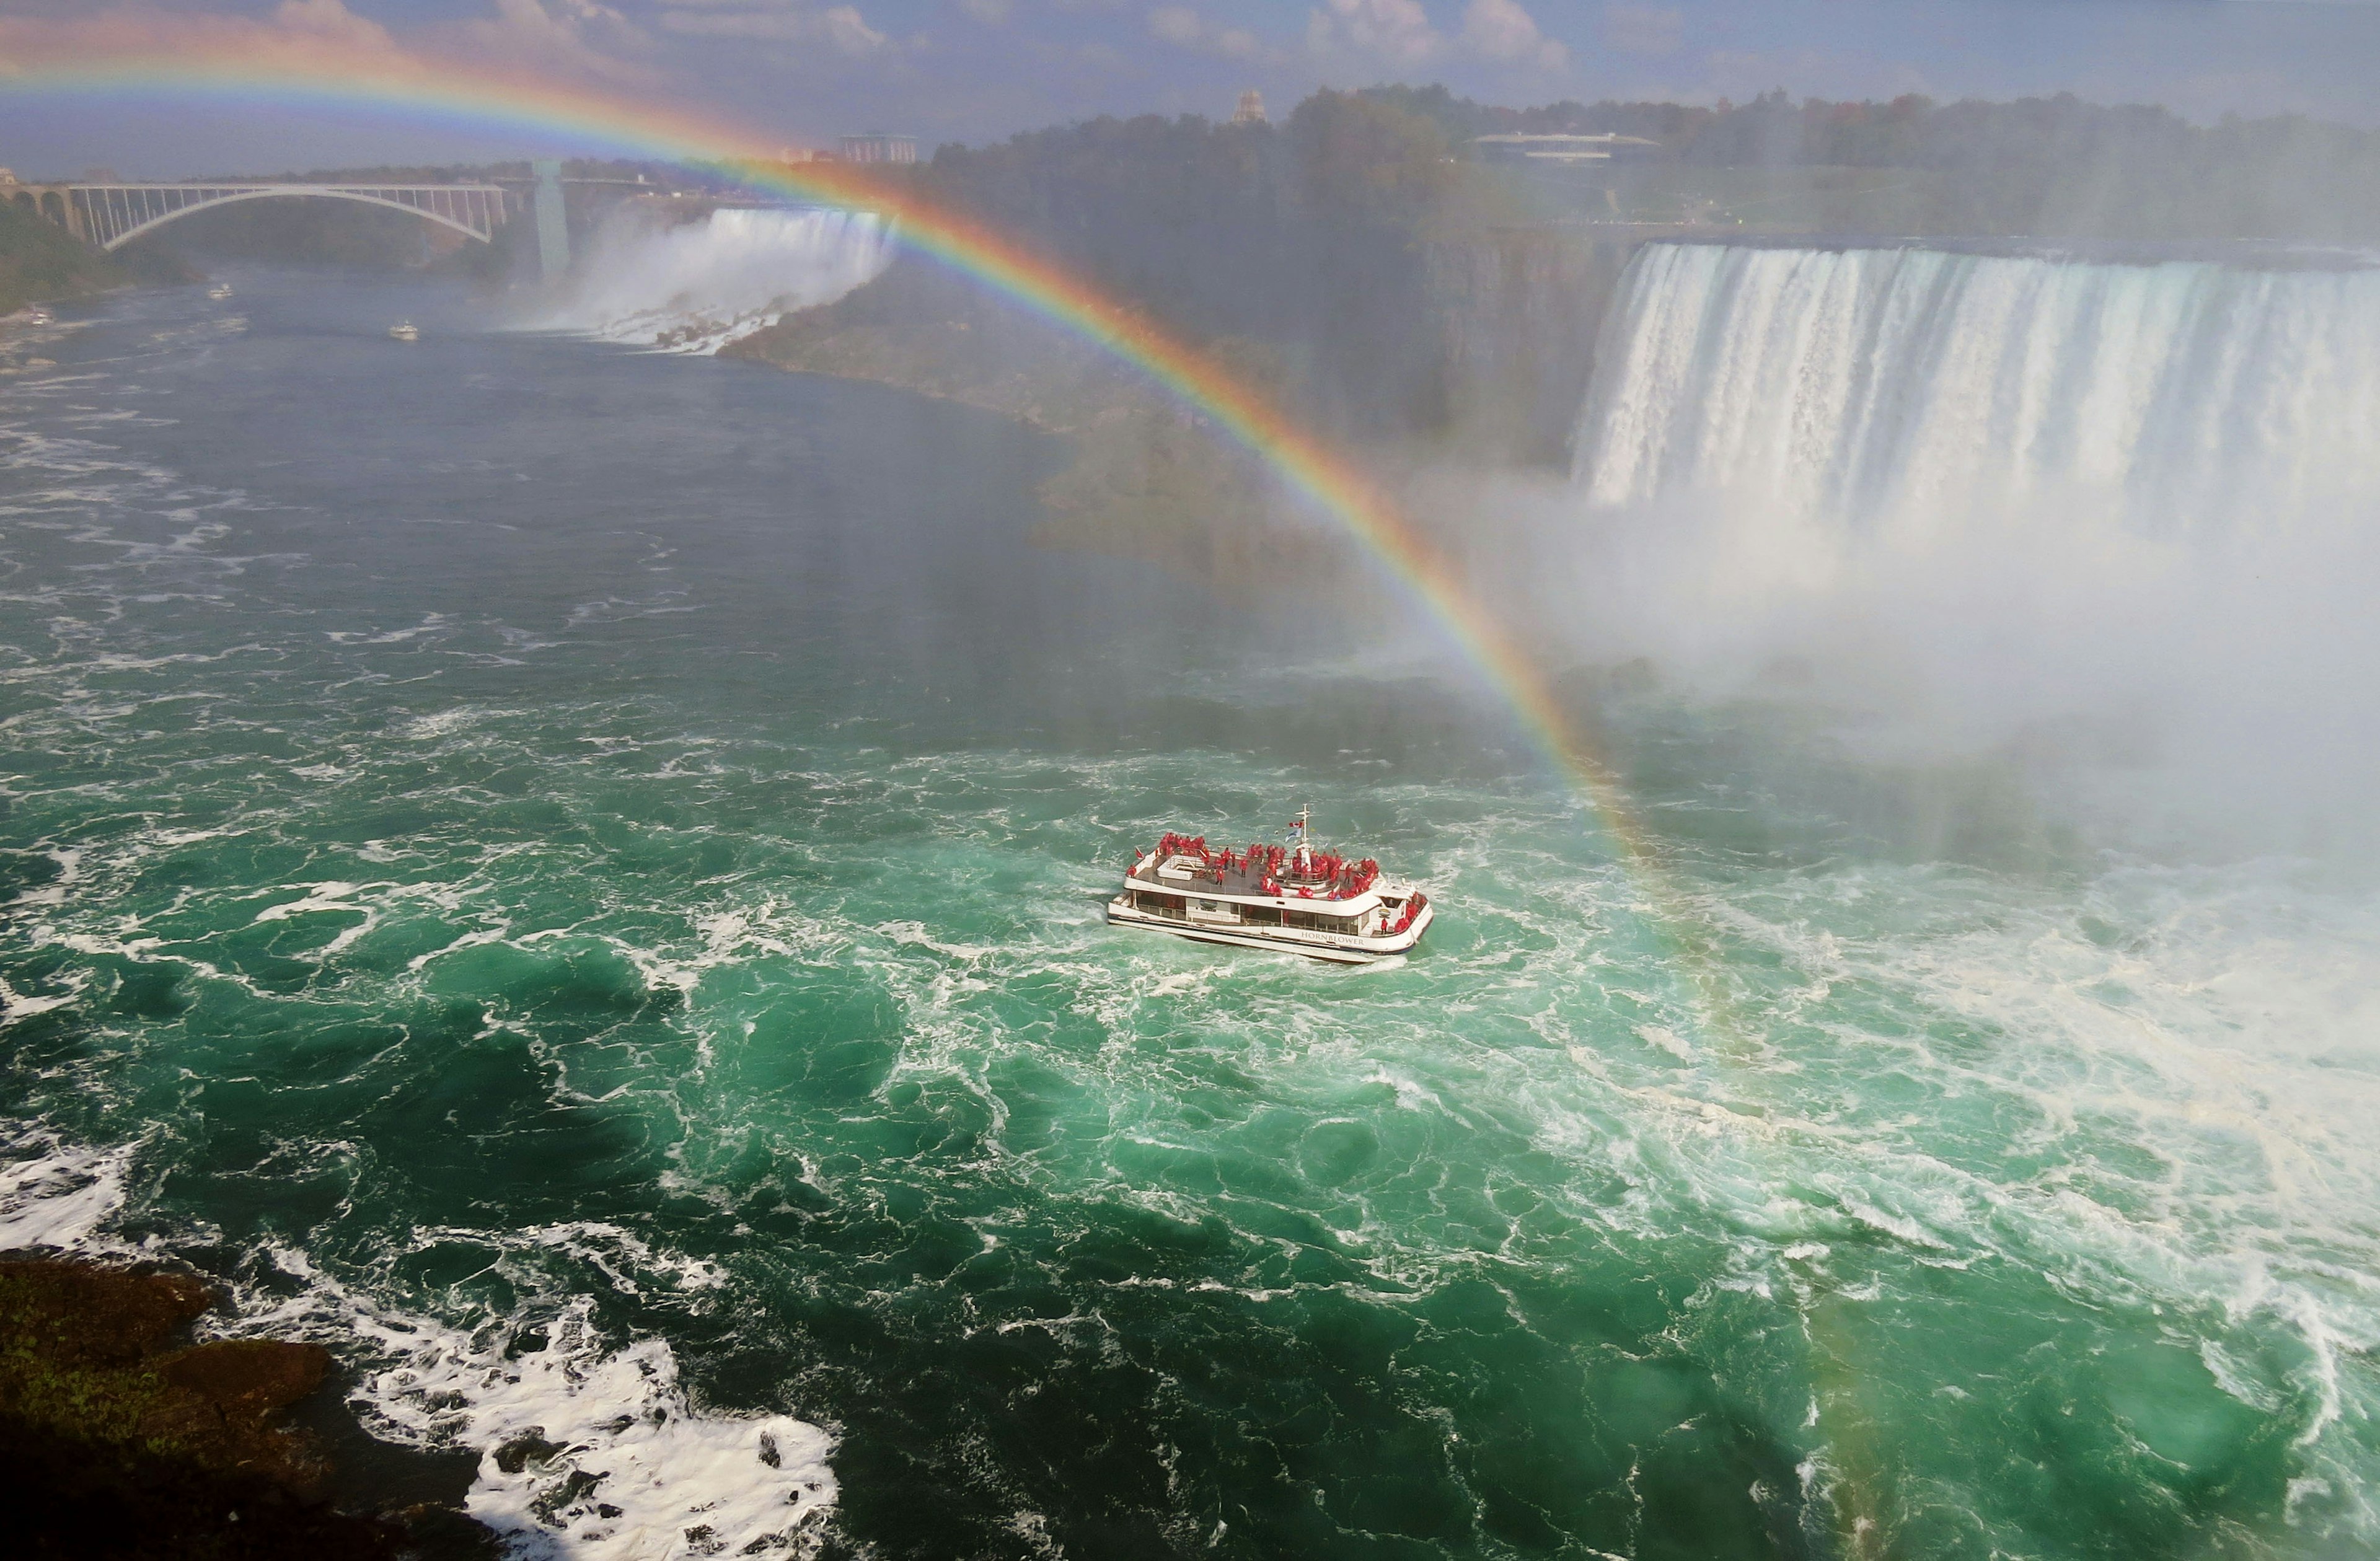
[
  {"x": 1562, "y": 150},
  {"x": 878, "y": 147}
]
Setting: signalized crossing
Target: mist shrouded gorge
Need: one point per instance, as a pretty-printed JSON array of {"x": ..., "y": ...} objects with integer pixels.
[{"x": 570, "y": 874}]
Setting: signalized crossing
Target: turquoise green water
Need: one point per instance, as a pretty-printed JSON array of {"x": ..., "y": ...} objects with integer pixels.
[{"x": 574, "y": 878}]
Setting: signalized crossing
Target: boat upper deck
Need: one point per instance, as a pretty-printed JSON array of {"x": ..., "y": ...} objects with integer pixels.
[{"x": 1262, "y": 872}]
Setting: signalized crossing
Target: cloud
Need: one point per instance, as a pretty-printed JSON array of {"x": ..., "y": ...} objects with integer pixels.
[
  {"x": 1501, "y": 30},
  {"x": 1644, "y": 29},
  {"x": 1176, "y": 24},
  {"x": 775, "y": 21},
  {"x": 1396, "y": 31},
  {"x": 331, "y": 19},
  {"x": 1397, "y": 34},
  {"x": 576, "y": 37},
  {"x": 561, "y": 38},
  {"x": 1184, "y": 28},
  {"x": 298, "y": 33}
]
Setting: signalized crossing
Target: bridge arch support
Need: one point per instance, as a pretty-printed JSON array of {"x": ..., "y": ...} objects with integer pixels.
[{"x": 112, "y": 215}]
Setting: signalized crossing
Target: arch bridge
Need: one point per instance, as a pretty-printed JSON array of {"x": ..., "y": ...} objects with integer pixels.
[{"x": 112, "y": 215}]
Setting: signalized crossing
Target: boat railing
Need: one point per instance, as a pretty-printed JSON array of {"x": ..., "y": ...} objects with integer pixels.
[{"x": 1268, "y": 869}]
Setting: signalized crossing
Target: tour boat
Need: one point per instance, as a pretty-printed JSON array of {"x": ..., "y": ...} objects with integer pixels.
[
  {"x": 1294, "y": 898},
  {"x": 220, "y": 290},
  {"x": 405, "y": 331}
]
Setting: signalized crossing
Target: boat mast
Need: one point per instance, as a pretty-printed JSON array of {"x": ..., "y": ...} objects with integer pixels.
[{"x": 1305, "y": 842}]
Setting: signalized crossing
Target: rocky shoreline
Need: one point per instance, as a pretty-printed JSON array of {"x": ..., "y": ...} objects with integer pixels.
[{"x": 121, "y": 1437}]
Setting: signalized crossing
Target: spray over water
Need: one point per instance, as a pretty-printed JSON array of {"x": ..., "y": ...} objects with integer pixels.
[
  {"x": 2004, "y": 495},
  {"x": 695, "y": 286}
]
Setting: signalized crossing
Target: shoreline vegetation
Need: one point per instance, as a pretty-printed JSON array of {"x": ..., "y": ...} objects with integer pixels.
[
  {"x": 41, "y": 264},
  {"x": 121, "y": 1437}
]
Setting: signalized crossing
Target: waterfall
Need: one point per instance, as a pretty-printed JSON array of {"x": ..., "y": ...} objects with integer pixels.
[
  {"x": 1995, "y": 503},
  {"x": 696, "y": 287},
  {"x": 1868, "y": 388}
]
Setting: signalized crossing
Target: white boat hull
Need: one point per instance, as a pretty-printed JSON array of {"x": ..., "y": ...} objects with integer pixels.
[{"x": 1351, "y": 948}]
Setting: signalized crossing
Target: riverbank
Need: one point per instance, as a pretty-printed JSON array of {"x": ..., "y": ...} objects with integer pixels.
[
  {"x": 121, "y": 1436},
  {"x": 40, "y": 263}
]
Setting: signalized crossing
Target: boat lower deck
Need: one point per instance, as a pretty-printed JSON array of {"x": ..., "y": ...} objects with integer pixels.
[{"x": 1341, "y": 949}]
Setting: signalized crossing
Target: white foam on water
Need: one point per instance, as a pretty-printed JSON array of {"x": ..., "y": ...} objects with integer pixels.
[
  {"x": 70, "y": 863},
  {"x": 58, "y": 1195},
  {"x": 694, "y": 287},
  {"x": 1668, "y": 1040},
  {"x": 587, "y": 1452},
  {"x": 16, "y": 1005},
  {"x": 589, "y": 1449},
  {"x": 328, "y": 897},
  {"x": 594, "y": 1453}
]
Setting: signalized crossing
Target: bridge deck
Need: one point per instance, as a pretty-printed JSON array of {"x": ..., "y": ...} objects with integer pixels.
[{"x": 113, "y": 214}]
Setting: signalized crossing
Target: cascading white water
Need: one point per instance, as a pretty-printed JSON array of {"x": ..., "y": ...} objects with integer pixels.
[
  {"x": 696, "y": 287},
  {"x": 1869, "y": 387},
  {"x": 1987, "y": 500}
]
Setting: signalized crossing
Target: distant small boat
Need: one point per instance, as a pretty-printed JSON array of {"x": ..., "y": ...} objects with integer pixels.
[
  {"x": 405, "y": 331},
  {"x": 220, "y": 290},
  {"x": 40, "y": 317}
]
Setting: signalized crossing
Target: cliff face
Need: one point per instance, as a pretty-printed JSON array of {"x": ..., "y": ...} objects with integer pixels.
[
  {"x": 1147, "y": 480},
  {"x": 1508, "y": 323},
  {"x": 1518, "y": 313},
  {"x": 920, "y": 327}
]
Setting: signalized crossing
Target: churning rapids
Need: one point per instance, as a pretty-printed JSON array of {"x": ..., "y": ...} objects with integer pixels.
[{"x": 572, "y": 877}]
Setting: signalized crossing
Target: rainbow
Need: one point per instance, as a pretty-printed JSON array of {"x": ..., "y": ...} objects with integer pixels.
[
  {"x": 243, "y": 65},
  {"x": 319, "y": 76}
]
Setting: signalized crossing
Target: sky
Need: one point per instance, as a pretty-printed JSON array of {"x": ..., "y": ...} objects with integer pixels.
[{"x": 804, "y": 71}]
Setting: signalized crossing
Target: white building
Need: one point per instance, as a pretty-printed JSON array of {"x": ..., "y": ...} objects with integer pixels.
[{"x": 877, "y": 147}]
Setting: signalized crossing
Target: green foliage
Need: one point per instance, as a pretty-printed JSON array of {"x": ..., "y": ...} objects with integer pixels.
[
  {"x": 40, "y": 262},
  {"x": 1368, "y": 159},
  {"x": 1304, "y": 236},
  {"x": 2053, "y": 167}
]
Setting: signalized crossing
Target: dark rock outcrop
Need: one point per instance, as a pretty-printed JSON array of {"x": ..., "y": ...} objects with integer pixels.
[{"x": 114, "y": 1443}]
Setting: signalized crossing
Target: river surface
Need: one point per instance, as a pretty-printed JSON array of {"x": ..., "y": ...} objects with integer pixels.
[{"x": 572, "y": 876}]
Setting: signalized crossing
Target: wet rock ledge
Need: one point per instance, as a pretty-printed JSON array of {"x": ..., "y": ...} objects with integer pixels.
[{"x": 120, "y": 1438}]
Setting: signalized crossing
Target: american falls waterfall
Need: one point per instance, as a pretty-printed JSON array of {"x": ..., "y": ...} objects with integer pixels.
[
  {"x": 696, "y": 287},
  {"x": 2001, "y": 496}
]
